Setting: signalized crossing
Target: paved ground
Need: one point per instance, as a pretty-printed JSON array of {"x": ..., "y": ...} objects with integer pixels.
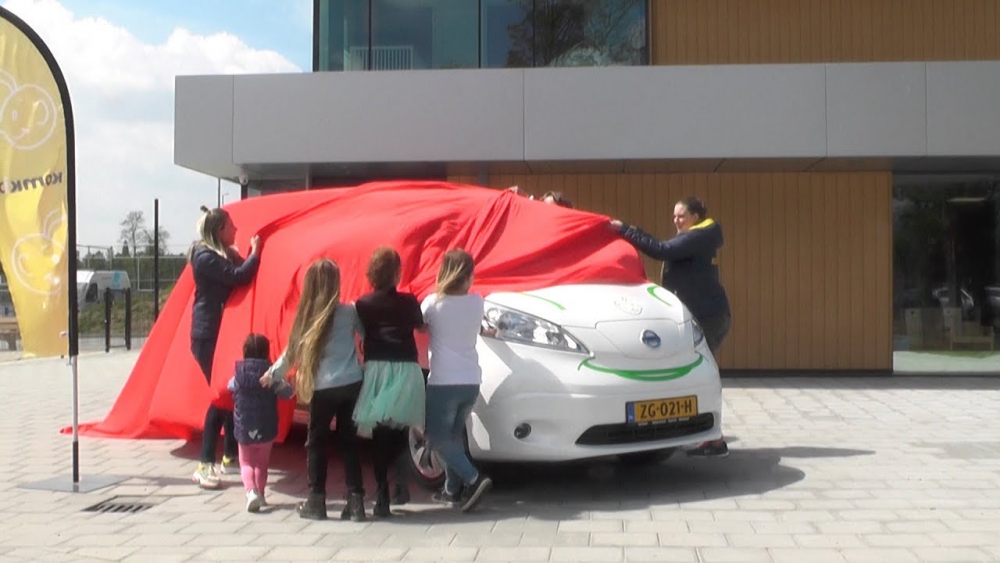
[{"x": 822, "y": 469}]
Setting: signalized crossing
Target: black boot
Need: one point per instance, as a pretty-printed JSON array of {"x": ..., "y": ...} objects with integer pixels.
[
  {"x": 382, "y": 503},
  {"x": 355, "y": 509},
  {"x": 314, "y": 507}
]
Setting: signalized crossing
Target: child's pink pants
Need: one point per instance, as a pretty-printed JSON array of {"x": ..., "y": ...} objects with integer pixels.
[{"x": 254, "y": 459}]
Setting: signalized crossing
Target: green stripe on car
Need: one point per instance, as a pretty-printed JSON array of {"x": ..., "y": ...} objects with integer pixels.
[{"x": 662, "y": 374}]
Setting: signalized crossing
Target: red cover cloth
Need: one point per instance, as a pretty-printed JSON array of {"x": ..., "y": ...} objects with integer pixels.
[{"x": 518, "y": 245}]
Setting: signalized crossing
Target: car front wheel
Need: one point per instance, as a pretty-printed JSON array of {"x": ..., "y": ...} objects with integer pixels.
[{"x": 425, "y": 465}]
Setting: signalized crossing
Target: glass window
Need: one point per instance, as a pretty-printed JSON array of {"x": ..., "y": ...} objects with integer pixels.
[
  {"x": 419, "y": 34},
  {"x": 343, "y": 34},
  {"x": 507, "y": 33},
  {"x": 416, "y": 34},
  {"x": 538, "y": 33},
  {"x": 946, "y": 295}
]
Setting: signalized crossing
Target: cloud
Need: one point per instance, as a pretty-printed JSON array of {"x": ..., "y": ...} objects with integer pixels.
[{"x": 122, "y": 94}]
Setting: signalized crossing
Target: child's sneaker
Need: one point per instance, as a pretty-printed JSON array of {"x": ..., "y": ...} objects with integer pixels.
[
  {"x": 230, "y": 465},
  {"x": 206, "y": 476},
  {"x": 253, "y": 501}
]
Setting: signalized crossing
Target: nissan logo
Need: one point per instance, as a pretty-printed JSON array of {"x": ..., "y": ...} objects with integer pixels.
[{"x": 650, "y": 338}]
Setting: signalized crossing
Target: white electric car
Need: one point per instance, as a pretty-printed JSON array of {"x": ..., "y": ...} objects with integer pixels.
[{"x": 581, "y": 371}]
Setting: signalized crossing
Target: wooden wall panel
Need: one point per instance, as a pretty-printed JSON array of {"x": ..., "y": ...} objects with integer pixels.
[
  {"x": 807, "y": 262},
  {"x": 814, "y": 31}
]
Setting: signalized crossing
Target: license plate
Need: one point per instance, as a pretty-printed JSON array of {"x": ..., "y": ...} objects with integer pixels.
[{"x": 661, "y": 410}]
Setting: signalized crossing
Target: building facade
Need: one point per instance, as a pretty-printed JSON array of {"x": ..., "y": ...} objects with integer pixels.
[{"x": 850, "y": 148}]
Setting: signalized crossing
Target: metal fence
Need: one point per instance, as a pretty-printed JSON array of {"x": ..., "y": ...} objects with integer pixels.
[{"x": 92, "y": 318}]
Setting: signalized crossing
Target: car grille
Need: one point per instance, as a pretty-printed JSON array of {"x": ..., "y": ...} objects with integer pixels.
[{"x": 607, "y": 434}]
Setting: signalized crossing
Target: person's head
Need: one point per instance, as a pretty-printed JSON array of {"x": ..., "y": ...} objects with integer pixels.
[
  {"x": 384, "y": 269},
  {"x": 688, "y": 212},
  {"x": 456, "y": 273},
  {"x": 216, "y": 230},
  {"x": 557, "y": 198},
  {"x": 313, "y": 317},
  {"x": 257, "y": 346}
]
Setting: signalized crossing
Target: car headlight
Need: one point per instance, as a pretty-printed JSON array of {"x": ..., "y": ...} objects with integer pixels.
[
  {"x": 508, "y": 324},
  {"x": 699, "y": 334}
]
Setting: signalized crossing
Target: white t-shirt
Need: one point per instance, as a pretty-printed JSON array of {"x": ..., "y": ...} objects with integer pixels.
[{"x": 453, "y": 322}]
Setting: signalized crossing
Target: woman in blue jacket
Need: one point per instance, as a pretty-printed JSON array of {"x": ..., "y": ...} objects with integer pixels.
[
  {"x": 690, "y": 271},
  {"x": 218, "y": 269}
]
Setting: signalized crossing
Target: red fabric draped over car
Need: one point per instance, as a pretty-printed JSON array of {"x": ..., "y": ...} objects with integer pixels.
[{"x": 518, "y": 245}]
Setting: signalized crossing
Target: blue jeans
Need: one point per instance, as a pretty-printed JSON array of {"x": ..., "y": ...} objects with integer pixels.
[{"x": 448, "y": 407}]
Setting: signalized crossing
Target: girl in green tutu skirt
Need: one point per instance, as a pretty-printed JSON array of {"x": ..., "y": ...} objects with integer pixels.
[{"x": 392, "y": 395}]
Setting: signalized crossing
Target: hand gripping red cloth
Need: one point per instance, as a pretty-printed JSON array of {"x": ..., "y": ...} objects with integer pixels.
[{"x": 518, "y": 245}]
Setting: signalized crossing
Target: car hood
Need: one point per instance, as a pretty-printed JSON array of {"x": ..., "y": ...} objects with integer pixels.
[{"x": 586, "y": 305}]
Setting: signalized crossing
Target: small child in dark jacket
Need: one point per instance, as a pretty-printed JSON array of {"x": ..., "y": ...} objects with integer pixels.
[{"x": 255, "y": 416}]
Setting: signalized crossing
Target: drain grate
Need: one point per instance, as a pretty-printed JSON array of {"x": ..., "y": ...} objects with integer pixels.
[{"x": 125, "y": 505}]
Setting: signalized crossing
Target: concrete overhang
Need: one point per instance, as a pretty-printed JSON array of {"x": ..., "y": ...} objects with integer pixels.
[{"x": 913, "y": 116}]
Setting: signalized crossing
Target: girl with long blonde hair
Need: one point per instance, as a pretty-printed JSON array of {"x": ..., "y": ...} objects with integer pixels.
[
  {"x": 217, "y": 268},
  {"x": 454, "y": 317},
  {"x": 321, "y": 349}
]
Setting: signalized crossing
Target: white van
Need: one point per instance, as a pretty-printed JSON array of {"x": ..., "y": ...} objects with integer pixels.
[{"x": 91, "y": 285}]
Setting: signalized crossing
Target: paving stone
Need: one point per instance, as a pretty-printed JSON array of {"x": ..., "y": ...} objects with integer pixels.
[
  {"x": 952, "y": 555},
  {"x": 878, "y": 555},
  {"x": 785, "y": 555},
  {"x": 160, "y": 555},
  {"x": 561, "y": 539},
  {"x": 658, "y": 527},
  {"x": 592, "y": 526},
  {"x": 898, "y": 540},
  {"x": 441, "y": 554},
  {"x": 233, "y": 553},
  {"x": 693, "y": 540},
  {"x": 105, "y": 553},
  {"x": 743, "y": 555},
  {"x": 487, "y": 539},
  {"x": 660, "y": 554},
  {"x": 839, "y": 541},
  {"x": 965, "y": 539},
  {"x": 312, "y": 553},
  {"x": 418, "y": 539},
  {"x": 624, "y": 539},
  {"x": 513, "y": 554},
  {"x": 581, "y": 554}
]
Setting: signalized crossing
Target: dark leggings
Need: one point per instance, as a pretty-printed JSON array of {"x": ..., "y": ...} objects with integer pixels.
[
  {"x": 388, "y": 444},
  {"x": 327, "y": 404},
  {"x": 215, "y": 418}
]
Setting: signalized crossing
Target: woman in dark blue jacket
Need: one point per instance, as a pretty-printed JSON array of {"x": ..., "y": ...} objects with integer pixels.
[
  {"x": 217, "y": 269},
  {"x": 690, "y": 271}
]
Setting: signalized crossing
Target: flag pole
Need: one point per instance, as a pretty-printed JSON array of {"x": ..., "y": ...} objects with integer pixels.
[{"x": 71, "y": 256}]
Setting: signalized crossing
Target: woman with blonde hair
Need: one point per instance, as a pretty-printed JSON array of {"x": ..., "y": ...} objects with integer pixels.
[
  {"x": 454, "y": 317},
  {"x": 217, "y": 268},
  {"x": 321, "y": 349}
]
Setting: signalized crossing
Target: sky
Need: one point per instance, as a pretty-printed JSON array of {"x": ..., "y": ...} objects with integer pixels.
[{"x": 120, "y": 58}]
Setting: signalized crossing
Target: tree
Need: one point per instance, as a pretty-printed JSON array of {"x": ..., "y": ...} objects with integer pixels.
[
  {"x": 148, "y": 240},
  {"x": 576, "y": 33},
  {"x": 133, "y": 231}
]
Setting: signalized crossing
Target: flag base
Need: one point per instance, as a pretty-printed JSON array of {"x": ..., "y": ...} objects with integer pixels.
[{"x": 65, "y": 484}]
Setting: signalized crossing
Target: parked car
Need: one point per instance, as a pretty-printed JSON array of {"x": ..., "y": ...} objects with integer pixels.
[{"x": 583, "y": 371}]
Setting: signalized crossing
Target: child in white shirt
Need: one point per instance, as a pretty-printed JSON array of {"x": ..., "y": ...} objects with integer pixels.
[{"x": 453, "y": 318}]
